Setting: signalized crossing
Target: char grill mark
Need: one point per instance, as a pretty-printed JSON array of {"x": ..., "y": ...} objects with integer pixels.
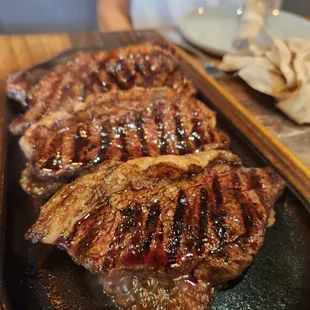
[
  {"x": 219, "y": 213},
  {"x": 163, "y": 143},
  {"x": 88, "y": 88},
  {"x": 134, "y": 249},
  {"x": 90, "y": 82},
  {"x": 94, "y": 143},
  {"x": 151, "y": 226},
  {"x": 180, "y": 132},
  {"x": 198, "y": 133},
  {"x": 90, "y": 225},
  {"x": 177, "y": 227},
  {"x": 43, "y": 107},
  {"x": 65, "y": 242},
  {"x": 122, "y": 135},
  {"x": 96, "y": 81},
  {"x": 108, "y": 67},
  {"x": 156, "y": 256},
  {"x": 83, "y": 92},
  {"x": 85, "y": 82},
  {"x": 255, "y": 181},
  {"x": 141, "y": 134},
  {"x": 51, "y": 164},
  {"x": 67, "y": 147},
  {"x": 51, "y": 158},
  {"x": 217, "y": 190},
  {"x": 125, "y": 74},
  {"x": 57, "y": 90},
  {"x": 258, "y": 182},
  {"x": 119, "y": 72},
  {"x": 257, "y": 185},
  {"x": 212, "y": 136},
  {"x": 66, "y": 92},
  {"x": 244, "y": 201},
  {"x": 189, "y": 236},
  {"x": 104, "y": 144},
  {"x": 81, "y": 143},
  {"x": 203, "y": 221},
  {"x": 129, "y": 221}
]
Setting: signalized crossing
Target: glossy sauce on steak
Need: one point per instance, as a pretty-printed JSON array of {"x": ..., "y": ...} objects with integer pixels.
[
  {"x": 202, "y": 215},
  {"x": 60, "y": 85},
  {"x": 159, "y": 123}
]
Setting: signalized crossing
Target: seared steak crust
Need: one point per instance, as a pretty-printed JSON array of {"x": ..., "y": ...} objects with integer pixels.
[
  {"x": 79, "y": 78},
  {"x": 201, "y": 214}
]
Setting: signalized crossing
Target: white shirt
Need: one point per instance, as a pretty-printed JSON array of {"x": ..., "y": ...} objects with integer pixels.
[{"x": 165, "y": 13}]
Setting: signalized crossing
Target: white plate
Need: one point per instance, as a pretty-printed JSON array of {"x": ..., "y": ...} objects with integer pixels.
[{"x": 214, "y": 29}]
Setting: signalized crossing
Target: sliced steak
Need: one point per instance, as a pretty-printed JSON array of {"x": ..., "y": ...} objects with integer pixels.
[
  {"x": 37, "y": 187},
  {"x": 60, "y": 85},
  {"x": 201, "y": 214},
  {"x": 130, "y": 125}
]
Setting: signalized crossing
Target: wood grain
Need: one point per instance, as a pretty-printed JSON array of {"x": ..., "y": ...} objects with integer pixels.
[
  {"x": 20, "y": 52},
  {"x": 277, "y": 138}
]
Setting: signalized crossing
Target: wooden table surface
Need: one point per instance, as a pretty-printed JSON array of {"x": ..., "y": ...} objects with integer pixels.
[{"x": 20, "y": 52}]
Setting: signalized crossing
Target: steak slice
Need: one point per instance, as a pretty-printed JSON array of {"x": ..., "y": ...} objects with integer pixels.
[
  {"x": 60, "y": 85},
  {"x": 126, "y": 125},
  {"x": 202, "y": 215},
  {"x": 37, "y": 187},
  {"x": 42, "y": 188}
]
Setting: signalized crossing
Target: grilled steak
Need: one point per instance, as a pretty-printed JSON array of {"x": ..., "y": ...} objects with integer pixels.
[
  {"x": 160, "y": 122},
  {"x": 60, "y": 86},
  {"x": 202, "y": 215},
  {"x": 38, "y": 188}
]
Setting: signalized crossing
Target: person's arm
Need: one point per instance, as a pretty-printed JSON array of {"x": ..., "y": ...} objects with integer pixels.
[{"x": 113, "y": 15}]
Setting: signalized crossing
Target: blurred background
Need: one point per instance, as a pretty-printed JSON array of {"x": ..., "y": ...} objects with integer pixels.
[{"x": 31, "y": 16}]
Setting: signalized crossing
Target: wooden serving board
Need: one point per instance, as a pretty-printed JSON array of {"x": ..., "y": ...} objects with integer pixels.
[{"x": 282, "y": 143}]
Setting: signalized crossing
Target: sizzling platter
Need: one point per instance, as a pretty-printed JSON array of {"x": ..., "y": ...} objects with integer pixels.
[{"x": 175, "y": 173}]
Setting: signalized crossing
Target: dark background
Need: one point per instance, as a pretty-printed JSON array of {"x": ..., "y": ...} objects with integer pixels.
[{"x": 25, "y": 16}]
